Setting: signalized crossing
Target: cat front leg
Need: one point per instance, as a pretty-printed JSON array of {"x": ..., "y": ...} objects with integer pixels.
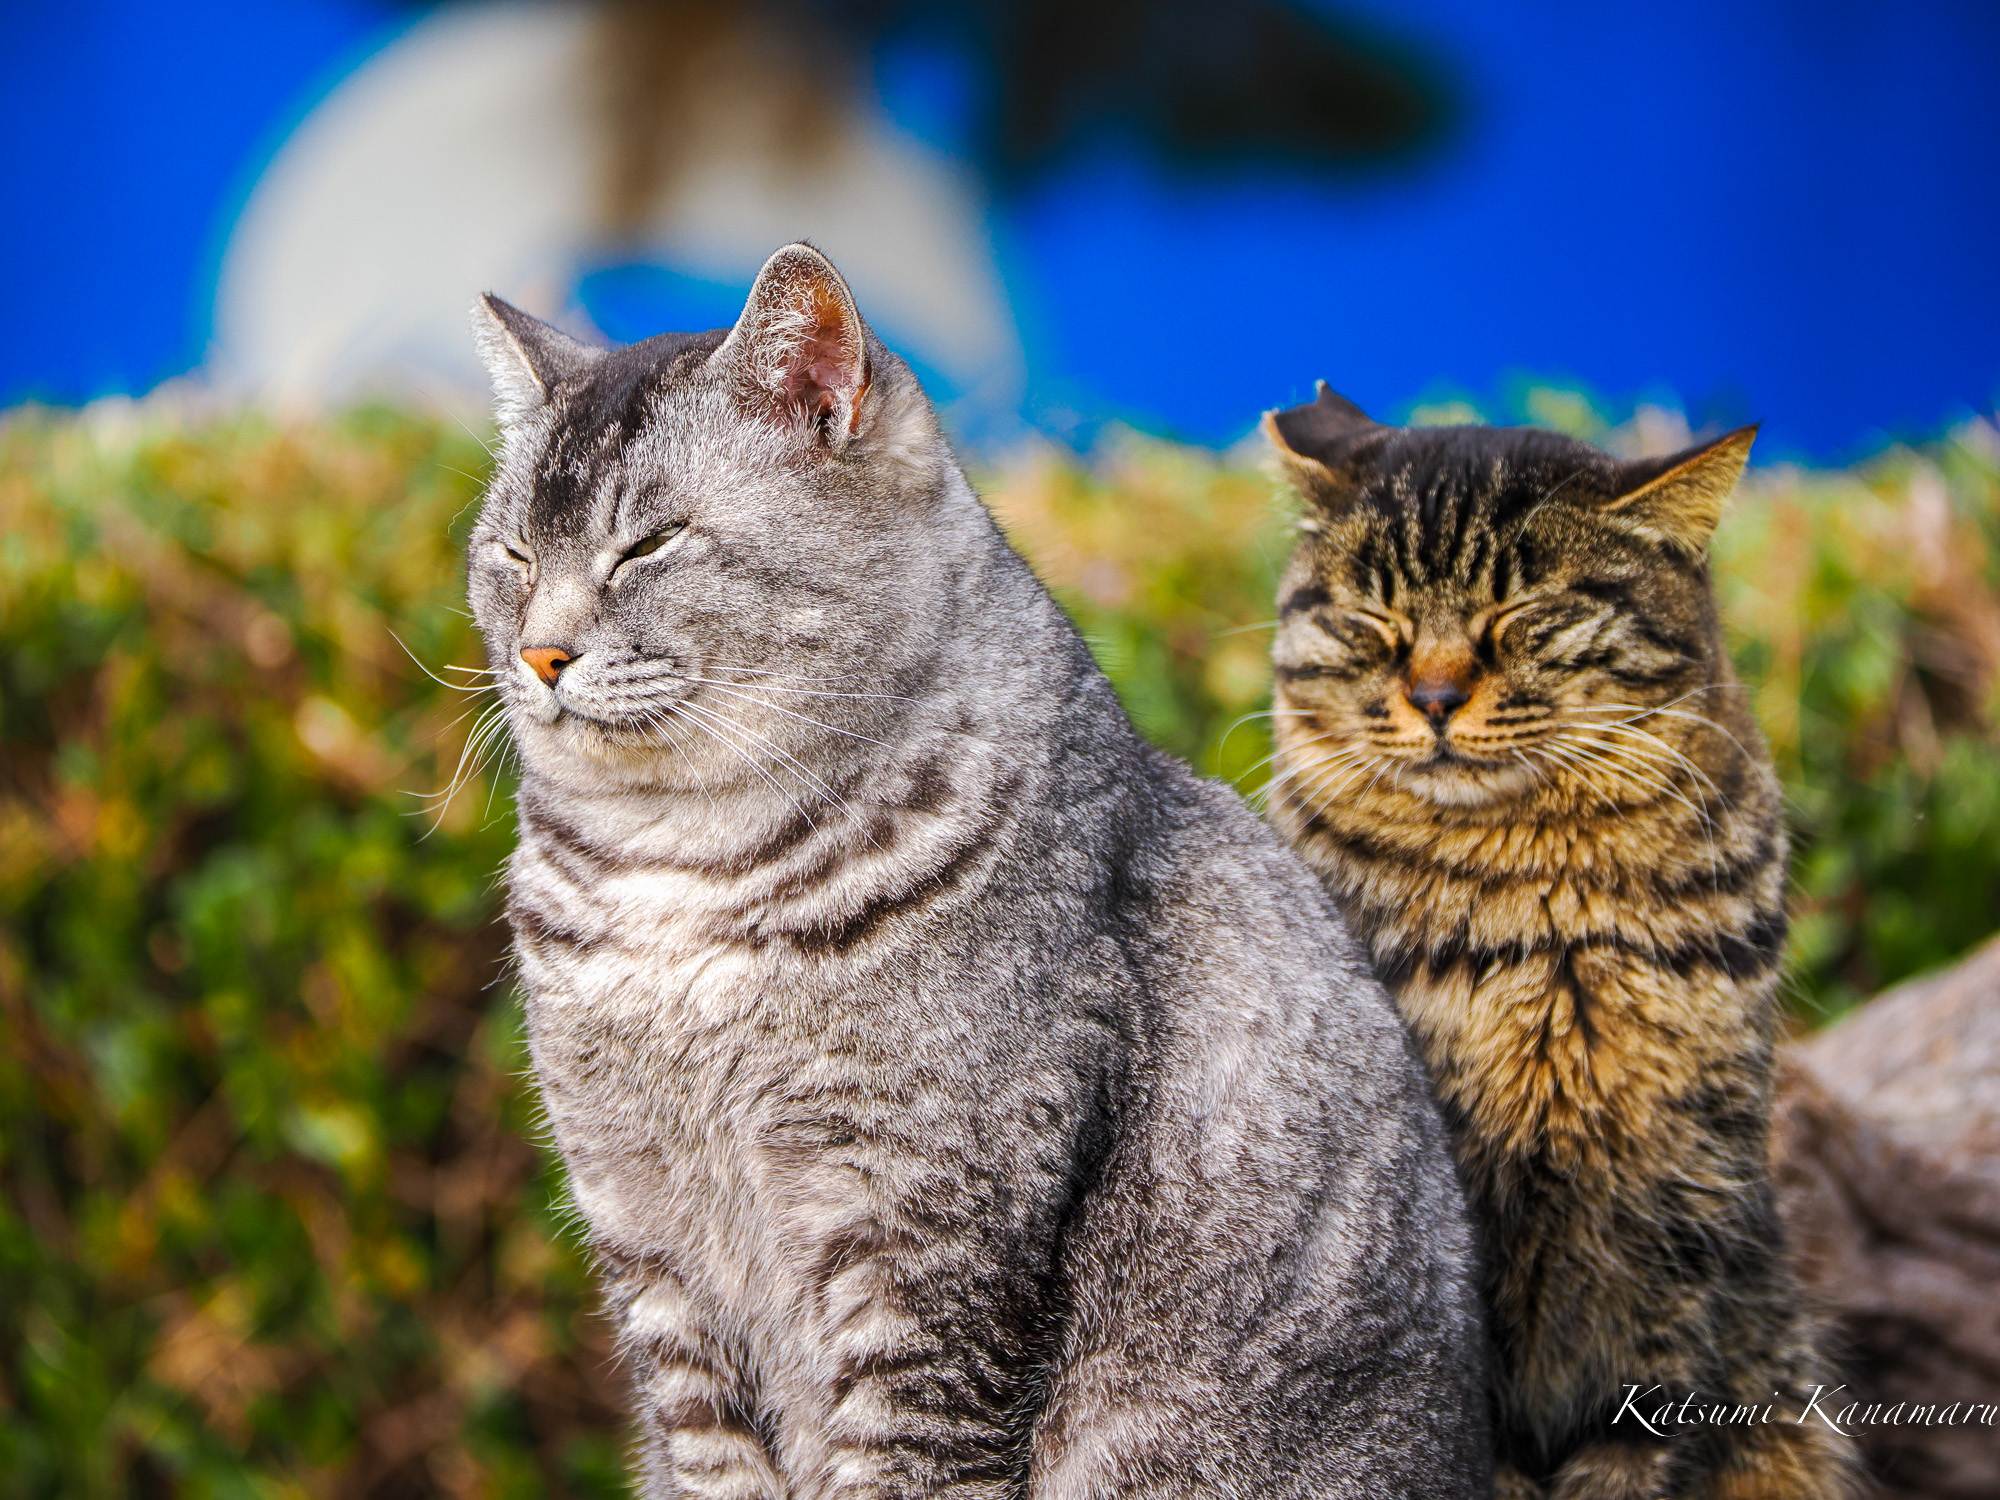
[
  {"x": 700, "y": 1436},
  {"x": 914, "y": 1407},
  {"x": 1638, "y": 1449}
]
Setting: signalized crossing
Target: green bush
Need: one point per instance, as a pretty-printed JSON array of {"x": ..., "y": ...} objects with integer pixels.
[
  {"x": 1865, "y": 610},
  {"x": 272, "y": 1219},
  {"x": 272, "y": 1222}
]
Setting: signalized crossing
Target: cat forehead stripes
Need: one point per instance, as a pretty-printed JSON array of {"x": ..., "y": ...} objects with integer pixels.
[
  {"x": 587, "y": 417},
  {"x": 1438, "y": 491}
]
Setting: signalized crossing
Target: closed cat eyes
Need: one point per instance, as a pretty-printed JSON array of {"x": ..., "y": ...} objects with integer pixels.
[
  {"x": 1392, "y": 631},
  {"x": 522, "y": 559},
  {"x": 1484, "y": 629},
  {"x": 1497, "y": 620},
  {"x": 653, "y": 543}
]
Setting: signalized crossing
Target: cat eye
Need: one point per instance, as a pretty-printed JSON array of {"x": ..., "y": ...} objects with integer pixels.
[
  {"x": 652, "y": 543},
  {"x": 1503, "y": 616},
  {"x": 1391, "y": 631},
  {"x": 526, "y": 562}
]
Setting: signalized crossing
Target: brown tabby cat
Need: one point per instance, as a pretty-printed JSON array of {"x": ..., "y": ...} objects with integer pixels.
[{"x": 1510, "y": 742}]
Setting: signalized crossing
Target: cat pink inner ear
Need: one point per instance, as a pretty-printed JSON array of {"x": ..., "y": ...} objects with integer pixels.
[
  {"x": 829, "y": 361},
  {"x": 802, "y": 343}
]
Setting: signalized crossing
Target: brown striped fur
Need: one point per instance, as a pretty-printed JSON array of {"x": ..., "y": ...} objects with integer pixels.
[{"x": 1510, "y": 743}]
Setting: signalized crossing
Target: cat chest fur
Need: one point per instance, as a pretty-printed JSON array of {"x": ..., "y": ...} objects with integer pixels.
[
  {"x": 1564, "y": 1008},
  {"x": 737, "y": 1129}
]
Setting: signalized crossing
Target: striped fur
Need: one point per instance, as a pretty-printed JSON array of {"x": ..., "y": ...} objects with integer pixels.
[
  {"x": 963, "y": 1099},
  {"x": 1509, "y": 742}
]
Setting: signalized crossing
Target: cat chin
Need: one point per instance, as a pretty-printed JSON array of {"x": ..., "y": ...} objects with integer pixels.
[
  {"x": 570, "y": 747},
  {"x": 1469, "y": 787}
]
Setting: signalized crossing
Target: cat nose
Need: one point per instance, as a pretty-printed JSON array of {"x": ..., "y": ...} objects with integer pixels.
[
  {"x": 548, "y": 661},
  {"x": 1437, "y": 701}
]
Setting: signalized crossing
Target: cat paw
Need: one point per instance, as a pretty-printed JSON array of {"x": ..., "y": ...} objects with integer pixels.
[
  {"x": 1509, "y": 1483},
  {"x": 1613, "y": 1471},
  {"x": 1787, "y": 1461}
]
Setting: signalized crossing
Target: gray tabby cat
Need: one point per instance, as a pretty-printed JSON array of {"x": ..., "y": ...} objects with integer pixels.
[{"x": 963, "y": 1098}]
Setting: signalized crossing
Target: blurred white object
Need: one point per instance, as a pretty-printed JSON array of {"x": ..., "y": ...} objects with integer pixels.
[{"x": 467, "y": 156}]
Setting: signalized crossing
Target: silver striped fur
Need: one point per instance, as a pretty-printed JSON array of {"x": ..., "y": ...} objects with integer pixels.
[{"x": 963, "y": 1099}]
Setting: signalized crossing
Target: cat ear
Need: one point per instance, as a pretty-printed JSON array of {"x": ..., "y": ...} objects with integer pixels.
[
  {"x": 1313, "y": 443},
  {"x": 801, "y": 346},
  {"x": 525, "y": 357},
  {"x": 1678, "y": 499}
]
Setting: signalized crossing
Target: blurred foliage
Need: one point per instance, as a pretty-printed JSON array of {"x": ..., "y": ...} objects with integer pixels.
[
  {"x": 272, "y": 1223},
  {"x": 1864, "y": 610}
]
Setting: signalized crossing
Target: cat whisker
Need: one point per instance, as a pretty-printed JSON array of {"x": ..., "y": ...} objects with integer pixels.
[
  {"x": 472, "y": 755},
  {"x": 1222, "y": 745},
  {"x": 1670, "y": 710},
  {"x": 716, "y": 732},
  {"x": 790, "y": 763},
  {"x": 807, "y": 692},
  {"x": 728, "y": 666},
  {"x": 1304, "y": 763},
  {"x": 747, "y": 697},
  {"x": 488, "y": 731},
  {"x": 1310, "y": 782},
  {"x": 1562, "y": 756},
  {"x": 1318, "y": 769},
  {"x": 1386, "y": 764},
  {"x": 767, "y": 687},
  {"x": 1606, "y": 758},
  {"x": 475, "y": 708},
  {"x": 506, "y": 749},
  {"x": 1354, "y": 775},
  {"x": 784, "y": 758},
  {"x": 1705, "y": 721},
  {"x": 446, "y": 407},
  {"x": 1318, "y": 795},
  {"x": 1539, "y": 776},
  {"x": 456, "y": 687},
  {"x": 1273, "y": 712},
  {"x": 1662, "y": 783},
  {"x": 1689, "y": 766},
  {"x": 1655, "y": 752},
  {"x": 1301, "y": 746},
  {"x": 1267, "y": 761},
  {"x": 661, "y": 718},
  {"x": 488, "y": 734}
]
